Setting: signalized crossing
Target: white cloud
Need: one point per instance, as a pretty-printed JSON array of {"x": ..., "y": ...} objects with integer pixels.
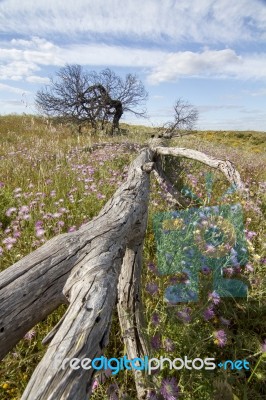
[
  {"x": 21, "y": 59},
  {"x": 37, "y": 79},
  {"x": 36, "y": 50},
  {"x": 256, "y": 93},
  {"x": 211, "y": 64},
  {"x": 201, "y": 21},
  {"x": 103, "y": 55},
  {"x": 16, "y": 70},
  {"x": 12, "y": 89}
]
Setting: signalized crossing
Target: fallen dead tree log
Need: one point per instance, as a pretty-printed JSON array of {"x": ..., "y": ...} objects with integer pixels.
[{"x": 84, "y": 269}]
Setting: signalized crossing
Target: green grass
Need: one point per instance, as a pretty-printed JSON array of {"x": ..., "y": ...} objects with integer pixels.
[{"x": 51, "y": 183}]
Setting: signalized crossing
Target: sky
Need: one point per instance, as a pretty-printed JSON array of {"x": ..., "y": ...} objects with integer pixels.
[{"x": 211, "y": 53}]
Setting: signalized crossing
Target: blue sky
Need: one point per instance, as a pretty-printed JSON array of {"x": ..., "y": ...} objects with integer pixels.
[{"x": 211, "y": 53}]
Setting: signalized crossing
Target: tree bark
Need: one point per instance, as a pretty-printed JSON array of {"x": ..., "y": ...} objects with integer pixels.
[
  {"x": 83, "y": 269},
  {"x": 225, "y": 166},
  {"x": 91, "y": 290},
  {"x": 131, "y": 314}
]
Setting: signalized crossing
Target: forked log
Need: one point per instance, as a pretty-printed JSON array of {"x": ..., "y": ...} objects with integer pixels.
[
  {"x": 91, "y": 290},
  {"x": 225, "y": 166},
  {"x": 130, "y": 312},
  {"x": 83, "y": 269}
]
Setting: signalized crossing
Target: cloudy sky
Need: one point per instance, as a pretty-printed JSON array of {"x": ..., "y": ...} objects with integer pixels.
[{"x": 211, "y": 53}]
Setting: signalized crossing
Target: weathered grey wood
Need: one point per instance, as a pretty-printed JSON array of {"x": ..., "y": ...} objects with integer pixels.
[
  {"x": 91, "y": 290},
  {"x": 82, "y": 269},
  {"x": 131, "y": 314},
  {"x": 32, "y": 288},
  {"x": 225, "y": 166}
]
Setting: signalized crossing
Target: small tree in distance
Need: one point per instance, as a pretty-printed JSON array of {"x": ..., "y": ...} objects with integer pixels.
[
  {"x": 102, "y": 97},
  {"x": 185, "y": 118}
]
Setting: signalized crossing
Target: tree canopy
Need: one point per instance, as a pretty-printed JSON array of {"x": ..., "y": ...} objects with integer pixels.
[{"x": 92, "y": 96}]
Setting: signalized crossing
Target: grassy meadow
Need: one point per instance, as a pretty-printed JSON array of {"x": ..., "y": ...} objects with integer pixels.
[{"x": 52, "y": 183}]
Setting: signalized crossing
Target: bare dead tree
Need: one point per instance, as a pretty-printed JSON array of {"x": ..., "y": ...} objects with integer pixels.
[
  {"x": 90, "y": 96},
  {"x": 91, "y": 270},
  {"x": 184, "y": 119}
]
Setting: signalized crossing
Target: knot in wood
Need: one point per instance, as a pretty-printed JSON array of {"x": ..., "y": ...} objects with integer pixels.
[{"x": 148, "y": 167}]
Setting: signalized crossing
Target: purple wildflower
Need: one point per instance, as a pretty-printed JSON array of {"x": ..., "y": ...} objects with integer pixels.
[
  {"x": 229, "y": 271},
  {"x": 152, "y": 267},
  {"x": 249, "y": 268},
  {"x": 152, "y": 395},
  {"x": 208, "y": 313},
  {"x": 250, "y": 234},
  {"x": 152, "y": 288},
  {"x": 210, "y": 248},
  {"x": 63, "y": 210},
  {"x": 23, "y": 210},
  {"x": 169, "y": 345},
  {"x": 263, "y": 346},
  {"x": 40, "y": 232},
  {"x": 155, "y": 319},
  {"x": 10, "y": 211},
  {"x": 220, "y": 338},
  {"x": 9, "y": 241},
  {"x": 169, "y": 389},
  {"x": 29, "y": 335},
  {"x": 228, "y": 246},
  {"x": 95, "y": 384},
  {"x": 156, "y": 342},
  {"x": 205, "y": 270},
  {"x": 214, "y": 297},
  {"x": 238, "y": 269},
  {"x": 1, "y": 250},
  {"x": 17, "y": 234},
  {"x": 184, "y": 314},
  {"x": 57, "y": 215},
  {"x": 224, "y": 321}
]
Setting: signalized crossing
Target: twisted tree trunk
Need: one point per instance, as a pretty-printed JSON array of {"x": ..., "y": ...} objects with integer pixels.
[{"x": 87, "y": 269}]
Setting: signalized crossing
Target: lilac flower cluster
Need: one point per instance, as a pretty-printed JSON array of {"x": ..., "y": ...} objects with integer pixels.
[
  {"x": 169, "y": 390},
  {"x": 35, "y": 215}
]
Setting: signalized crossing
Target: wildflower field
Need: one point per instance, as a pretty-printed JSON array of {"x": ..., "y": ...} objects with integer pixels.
[{"x": 52, "y": 181}]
